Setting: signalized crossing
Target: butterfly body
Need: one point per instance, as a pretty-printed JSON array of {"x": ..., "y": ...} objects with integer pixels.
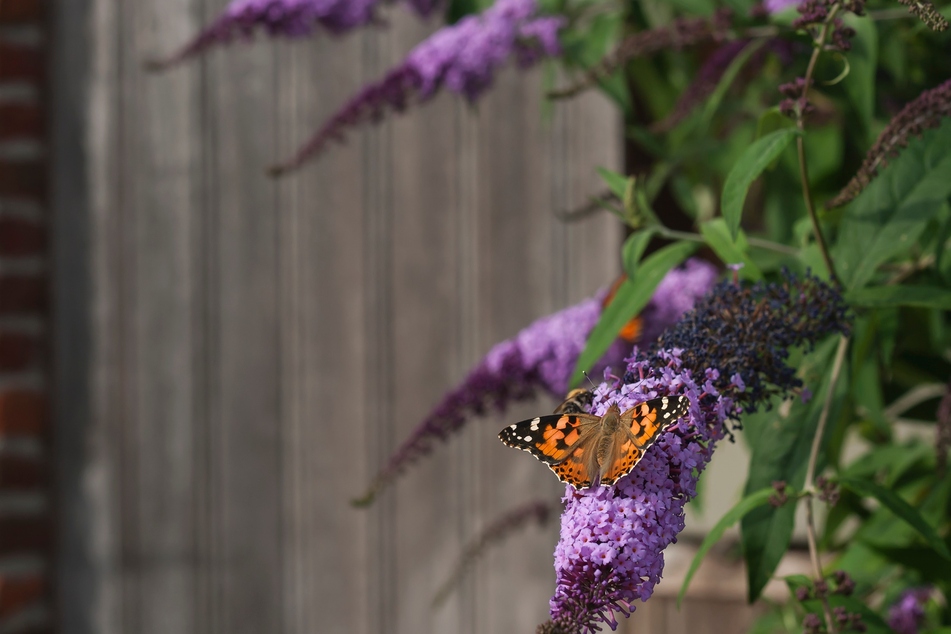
[{"x": 582, "y": 449}]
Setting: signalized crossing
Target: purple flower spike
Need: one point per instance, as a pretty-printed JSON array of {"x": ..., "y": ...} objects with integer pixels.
[
  {"x": 286, "y": 18},
  {"x": 541, "y": 356},
  {"x": 463, "y": 57},
  {"x": 612, "y": 538},
  {"x": 907, "y": 615}
]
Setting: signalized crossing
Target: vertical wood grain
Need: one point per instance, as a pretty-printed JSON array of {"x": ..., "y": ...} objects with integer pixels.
[{"x": 258, "y": 348}]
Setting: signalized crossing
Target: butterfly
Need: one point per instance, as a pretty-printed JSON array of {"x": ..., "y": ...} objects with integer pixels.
[{"x": 583, "y": 449}]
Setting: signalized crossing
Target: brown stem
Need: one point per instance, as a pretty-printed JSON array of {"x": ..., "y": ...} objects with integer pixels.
[
  {"x": 801, "y": 146},
  {"x": 811, "y": 472}
]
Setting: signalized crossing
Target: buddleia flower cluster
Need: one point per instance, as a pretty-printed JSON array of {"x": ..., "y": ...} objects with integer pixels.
[
  {"x": 541, "y": 358},
  {"x": 463, "y": 58},
  {"x": 726, "y": 355},
  {"x": 285, "y": 18}
]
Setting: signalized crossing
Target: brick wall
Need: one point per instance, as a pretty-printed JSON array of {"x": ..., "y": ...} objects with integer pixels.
[{"x": 25, "y": 544}]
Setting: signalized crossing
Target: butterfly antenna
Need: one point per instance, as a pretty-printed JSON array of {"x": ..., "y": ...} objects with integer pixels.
[{"x": 585, "y": 373}]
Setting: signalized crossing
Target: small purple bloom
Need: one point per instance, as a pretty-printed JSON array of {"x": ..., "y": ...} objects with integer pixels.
[{"x": 907, "y": 615}]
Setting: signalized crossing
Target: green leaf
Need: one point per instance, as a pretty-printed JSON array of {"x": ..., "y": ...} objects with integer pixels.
[
  {"x": 726, "y": 80},
  {"x": 633, "y": 250},
  {"x": 459, "y": 9},
  {"x": 617, "y": 183},
  {"x": 901, "y": 509},
  {"x": 890, "y": 215},
  {"x": 750, "y": 165},
  {"x": 630, "y": 299},
  {"x": 887, "y": 296},
  {"x": 859, "y": 85},
  {"x": 717, "y": 235},
  {"x": 781, "y": 452},
  {"x": 744, "y": 506}
]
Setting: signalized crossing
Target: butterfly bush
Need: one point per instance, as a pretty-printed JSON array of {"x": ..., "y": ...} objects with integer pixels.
[
  {"x": 610, "y": 553},
  {"x": 463, "y": 58},
  {"x": 542, "y": 357},
  {"x": 286, "y": 18}
]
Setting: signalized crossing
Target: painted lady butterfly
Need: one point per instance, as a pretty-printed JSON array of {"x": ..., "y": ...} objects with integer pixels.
[{"x": 582, "y": 448}]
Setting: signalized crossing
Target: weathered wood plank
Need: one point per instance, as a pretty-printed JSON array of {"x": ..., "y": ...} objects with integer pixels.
[
  {"x": 326, "y": 560},
  {"x": 157, "y": 201},
  {"x": 259, "y": 349}
]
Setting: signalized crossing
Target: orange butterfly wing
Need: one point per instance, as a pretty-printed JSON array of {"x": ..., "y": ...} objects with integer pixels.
[
  {"x": 560, "y": 441},
  {"x": 640, "y": 427}
]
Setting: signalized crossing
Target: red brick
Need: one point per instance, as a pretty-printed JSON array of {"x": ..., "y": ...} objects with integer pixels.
[
  {"x": 19, "y": 237},
  {"x": 20, "y": 11},
  {"x": 20, "y": 121},
  {"x": 24, "y": 535},
  {"x": 17, "y": 593},
  {"x": 21, "y": 473},
  {"x": 20, "y": 63},
  {"x": 22, "y": 294},
  {"x": 22, "y": 413},
  {"x": 18, "y": 351},
  {"x": 22, "y": 179}
]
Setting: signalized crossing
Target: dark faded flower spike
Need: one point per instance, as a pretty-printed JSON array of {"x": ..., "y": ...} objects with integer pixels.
[
  {"x": 927, "y": 13},
  {"x": 924, "y": 112},
  {"x": 536, "y": 511},
  {"x": 678, "y": 35}
]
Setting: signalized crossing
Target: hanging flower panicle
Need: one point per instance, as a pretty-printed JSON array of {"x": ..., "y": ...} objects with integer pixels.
[
  {"x": 285, "y": 18},
  {"x": 541, "y": 357},
  {"x": 612, "y": 538},
  {"x": 463, "y": 57},
  {"x": 925, "y": 112}
]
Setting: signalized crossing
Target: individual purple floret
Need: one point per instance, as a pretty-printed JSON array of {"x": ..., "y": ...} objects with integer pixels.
[
  {"x": 907, "y": 615},
  {"x": 613, "y": 537},
  {"x": 286, "y": 18},
  {"x": 540, "y": 357},
  {"x": 463, "y": 57}
]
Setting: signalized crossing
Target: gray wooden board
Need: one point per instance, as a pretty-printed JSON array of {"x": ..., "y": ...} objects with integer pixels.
[{"x": 256, "y": 349}]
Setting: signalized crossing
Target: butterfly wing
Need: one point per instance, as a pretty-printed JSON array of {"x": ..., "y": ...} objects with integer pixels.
[
  {"x": 640, "y": 427},
  {"x": 563, "y": 442}
]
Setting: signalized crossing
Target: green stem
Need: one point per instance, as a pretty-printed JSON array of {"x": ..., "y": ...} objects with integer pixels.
[
  {"x": 759, "y": 243},
  {"x": 801, "y": 147},
  {"x": 809, "y": 485}
]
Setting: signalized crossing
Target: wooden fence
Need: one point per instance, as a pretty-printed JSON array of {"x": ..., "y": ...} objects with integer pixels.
[{"x": 236, "y": 356}]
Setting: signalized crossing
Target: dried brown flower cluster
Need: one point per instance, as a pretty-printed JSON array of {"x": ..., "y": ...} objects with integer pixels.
[
  {"x": 679, "y": 34},
  {"x": 923, "y": 113}
]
